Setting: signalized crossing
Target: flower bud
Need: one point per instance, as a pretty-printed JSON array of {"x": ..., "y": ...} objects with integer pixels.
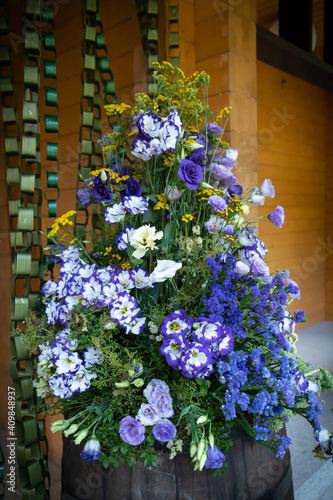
[
  {"x": 196, "y": 467},
  {"x": 193, "y": 450},
  {"x": 202, "y": 420},
  {"x": 80, "y": 436},
  {"x": 202, "y": 460},
  {"x": 73, "y": 428},
  {"x": 201, "y": 447},
  {"x": 125, "y": 383},
  {"x": 103, "y": 177},
  {"x": 211, "y": 440},
  {"x": 138, "y": 382},
  {"x": 206, "y": 185},
  {"x": 246, "y": 209},
  {"x": 194, "y": 145},
  {"x": 172, "y": 193},
  {"x": 59, "y": 425}
]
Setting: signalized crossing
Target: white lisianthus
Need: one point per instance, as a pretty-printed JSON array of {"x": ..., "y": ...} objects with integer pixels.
[
  {"x": 172, "y": 193},
  {"x": 143, "y": 239},
  {"x": 164, "y": 270}
]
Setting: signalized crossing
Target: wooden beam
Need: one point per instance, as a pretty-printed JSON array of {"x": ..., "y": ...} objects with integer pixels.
[
  {"x": 295, "y": 22},
  {"x": 281, "y": 54},
  {"x": 328, "y": 31}
]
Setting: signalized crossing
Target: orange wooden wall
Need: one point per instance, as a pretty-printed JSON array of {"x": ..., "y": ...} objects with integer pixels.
[
  {"x": 329, "y": 207},
  {"x": 292, "y": 152}
]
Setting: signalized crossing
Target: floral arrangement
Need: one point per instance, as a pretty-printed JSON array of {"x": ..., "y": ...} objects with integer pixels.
[{"x": 165, "y": 324}]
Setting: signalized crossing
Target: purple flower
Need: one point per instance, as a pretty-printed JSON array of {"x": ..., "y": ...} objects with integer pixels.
[
  {"x": 299, "y": 382},
  {"x": 292, "y": 289},
  {"x": 217, "y": 203},
  {"x": 153, "y": 385},
  {"x": 214, "y": 224},
  {"x": 190, "y": 173},
  {"x": 172, "y": 348},
  {"x": 163, "y": 403},
  {"x": 214, "y": 129},
  {"x": 136, "y": 204},
  {"x": 299, "y": 316},
  {"x": 84, "y": 197},
  {"x": 164, "y": 430},
  {"x": 149, "y": 125},
  {"x": 131, "y": 431},
  {"x": 133, "y": 188},
  {"x": 178, "y": 323},
  {"x": 141, "y": 149},
  {"x": 215, "y": 458},
  {"x": 223, "y": 174},
  {"x": 258, "y": 267},
  {"x": 277, "y": 216},
  {"x": 267, "y": 189},
  {"x": 235, "y": 189},
  {"x": 122, "y": 239},
  {"x": 91, "y": 450},
  {"x": 100, "y": 191},
  {"x": 148, "y": 414}
]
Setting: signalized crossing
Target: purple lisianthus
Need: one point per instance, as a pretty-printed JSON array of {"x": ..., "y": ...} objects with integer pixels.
[
  {"x": 217, "y": 203},
  {"x": 136, "y": 204},
  {"x": 190, "y": 173},
  {"x": 223, "y": 174},
  {"x": 100, "y": 191},
  {"x": 164, "y": 430},
  {"x": 148, "y": 414},
  {"x": 215, "y": 458},
  {"x": 196, "y": 359},
  {"x": 214, "y": 224},
  {"x": 277, "y": 216},
  {"x": 149, "y": 125},
  {"x": 115, "y": 213},
  {"x": 141, "y": 149},
  {"x": 133, "y": 188},
  {"x": 235, "y": 189},
  {"x": 163, "y": 403},
  {"x": 267, "y": 189},
  {"x": 49, "y": 288},
  {"x": 131, "y": 431},
  {"x": 214, "y": 129},
  {"x": 259, "y": 268},
  {"x": 207, "y": 330},
  {"x": 122, "y": 239},
  {"x": 91, "y": 450},
  {"x": 226, "y": 343},
  {"x": 153, "y": 385},
  {"x": 84, "y": 197}
]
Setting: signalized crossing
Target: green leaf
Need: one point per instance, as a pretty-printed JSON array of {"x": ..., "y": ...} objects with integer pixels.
[
  {"x": 167, "y": 233},
  {"x": 150, "y": 216},
  {"x": 152, "y": 197}
]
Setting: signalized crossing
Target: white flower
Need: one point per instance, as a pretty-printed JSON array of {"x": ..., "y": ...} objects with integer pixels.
[
  {"x": 241, "y": 268},
  {"x": 164, "y": 270},
  {"x": 257, "y": 199},
  {"x": 231, "y": 154},
  {"x": 115, "y": 213},
  {"x": 172, "y": 193},
  {"x": 143, "y": 239}
]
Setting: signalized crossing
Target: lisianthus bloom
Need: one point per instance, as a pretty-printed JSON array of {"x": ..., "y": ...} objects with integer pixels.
[
  {"x": 191, "y": 173},
  {"x": 143, "y": 239},
  {"x": 164, "y": 270},
  {"x": 148, "y": 414},
  {"x": 164, "y": 430},
  {"x": 131, "y": 431},
  {"x": 277, "y": 216},
  {"x": 214, "y": 129},
  {"x": 153, "y": 385},
  {"x": 215, "y": 458},
  {"x": 91, "y": 450},
  {"x": 267, "y": 189},
  {"x": 115, "y": 213},
  {"x": 299, "y": 382},
  {"x": 172, "y": 193},
  {"x": 217, "y": 203}
]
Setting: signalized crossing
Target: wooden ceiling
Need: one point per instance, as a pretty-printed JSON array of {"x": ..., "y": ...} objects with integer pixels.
[{"x": 268, "y": 12}]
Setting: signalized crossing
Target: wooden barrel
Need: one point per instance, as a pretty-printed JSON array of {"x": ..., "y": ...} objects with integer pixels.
[{"x": 253, "y": 473}]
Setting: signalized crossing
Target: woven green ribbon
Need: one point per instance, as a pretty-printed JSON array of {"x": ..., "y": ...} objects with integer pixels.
[
  {"x": 25, "y": 197},
  {"x": 147, "y": 11}
]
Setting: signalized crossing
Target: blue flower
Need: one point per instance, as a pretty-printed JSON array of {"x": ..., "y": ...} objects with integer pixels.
[
  {"x": 91, "y": 450},
  {"x": 215, "y": 458}
]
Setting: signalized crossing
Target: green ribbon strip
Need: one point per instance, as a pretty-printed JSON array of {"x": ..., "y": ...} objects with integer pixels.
[{"x": 147, "y": 11}]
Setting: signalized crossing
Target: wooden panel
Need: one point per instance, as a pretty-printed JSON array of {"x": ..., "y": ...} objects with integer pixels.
[{"x": 294, "y": 159}]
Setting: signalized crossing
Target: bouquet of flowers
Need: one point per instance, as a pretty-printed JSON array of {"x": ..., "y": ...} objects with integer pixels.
[{"x": 165, "y": 324}]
